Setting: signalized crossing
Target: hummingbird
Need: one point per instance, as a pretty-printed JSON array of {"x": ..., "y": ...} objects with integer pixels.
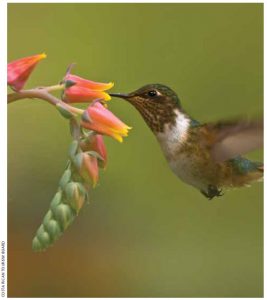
[{"x": 206, "y": 156}]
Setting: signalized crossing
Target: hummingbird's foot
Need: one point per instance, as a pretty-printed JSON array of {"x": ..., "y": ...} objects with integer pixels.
[{"x": 212, "y": 192}]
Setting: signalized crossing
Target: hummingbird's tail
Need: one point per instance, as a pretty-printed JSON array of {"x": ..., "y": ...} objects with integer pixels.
[
  {"x": 260, "y": 172},
  {"x": 246, "y": 171},
  {"x": 261, "y": 168}
]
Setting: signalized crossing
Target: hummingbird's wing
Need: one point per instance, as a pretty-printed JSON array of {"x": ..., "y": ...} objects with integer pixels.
[{"x": 233, "y": 138}]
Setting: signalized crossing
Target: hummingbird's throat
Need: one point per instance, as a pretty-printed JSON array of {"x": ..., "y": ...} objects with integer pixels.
[{"x": 157, "y": 116}]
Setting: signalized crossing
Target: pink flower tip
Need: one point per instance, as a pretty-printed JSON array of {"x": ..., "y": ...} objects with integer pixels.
[{"x": 19, "y": 70}]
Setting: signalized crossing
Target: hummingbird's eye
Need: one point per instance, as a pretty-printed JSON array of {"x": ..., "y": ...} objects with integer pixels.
[{"x": 152, "y": 93}]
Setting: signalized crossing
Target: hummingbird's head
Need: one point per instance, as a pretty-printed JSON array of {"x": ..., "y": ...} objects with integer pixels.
[{"x": 157, "y": 103}]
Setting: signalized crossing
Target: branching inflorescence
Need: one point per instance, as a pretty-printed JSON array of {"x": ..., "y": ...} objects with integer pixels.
[{"x": 87, "y": 152}]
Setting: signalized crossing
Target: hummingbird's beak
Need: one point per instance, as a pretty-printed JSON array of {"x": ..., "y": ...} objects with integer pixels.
[{"x": 119, "y": 95}]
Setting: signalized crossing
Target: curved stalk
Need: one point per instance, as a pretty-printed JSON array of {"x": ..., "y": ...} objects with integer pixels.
[{"x": 42, "y": 94}]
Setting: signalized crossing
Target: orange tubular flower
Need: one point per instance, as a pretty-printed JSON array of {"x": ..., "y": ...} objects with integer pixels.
[
  {"x": 19, "y": 70},
  {"x": 85, "y": 90},
  {"x": 96, "y": 117}
]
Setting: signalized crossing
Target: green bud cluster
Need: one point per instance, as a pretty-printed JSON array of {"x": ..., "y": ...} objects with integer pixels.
[
  {"x": 73, "y": 191},
  {"x": 64, "y": 207}
]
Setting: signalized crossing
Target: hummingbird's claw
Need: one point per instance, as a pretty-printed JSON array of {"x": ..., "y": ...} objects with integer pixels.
[
  {"x": 212, "y": 192},
  {"x": 221, "y": 193}
]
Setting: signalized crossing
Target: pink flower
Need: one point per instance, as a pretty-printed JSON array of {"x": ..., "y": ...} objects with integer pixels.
[
  {"x": 85, "y": 90},
  {"x": 90, "y": 168},
  {"x": 96, "y": 143},
  {"x": 103, "y": 121},
  {"x": 19, "y": 70}
]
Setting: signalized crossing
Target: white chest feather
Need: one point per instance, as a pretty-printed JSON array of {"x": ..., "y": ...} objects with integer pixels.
[
  {"x": 171, "y": 140},
  {"x": 174, "y": 135}
]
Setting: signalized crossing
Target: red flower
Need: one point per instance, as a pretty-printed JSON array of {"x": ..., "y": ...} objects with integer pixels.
[
  {"x": 19, "y": 70},
  {"x": 103, "y": 121},
  {"x": 85, "y": 90}
]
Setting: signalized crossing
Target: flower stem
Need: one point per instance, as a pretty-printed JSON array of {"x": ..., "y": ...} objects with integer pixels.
[
  {"x": 43, "y": 94},
  {"x": 57, "y": 87}
]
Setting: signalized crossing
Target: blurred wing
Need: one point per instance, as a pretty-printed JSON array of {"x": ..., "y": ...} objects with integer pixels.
[{"x": 233, "y": 138}]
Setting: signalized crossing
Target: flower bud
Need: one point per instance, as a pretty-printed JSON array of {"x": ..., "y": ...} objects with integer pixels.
[
  {"x": 75, "y": 195},
  {"x": 64, "y": 215},
  {"x": 90, "y": 168},
  {"x": 19, "y": 70},
  {"x": 96, "y": 143}
]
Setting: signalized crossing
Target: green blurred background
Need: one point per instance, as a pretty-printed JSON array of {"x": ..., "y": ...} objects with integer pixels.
[{"x": 145, "y": 234}]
